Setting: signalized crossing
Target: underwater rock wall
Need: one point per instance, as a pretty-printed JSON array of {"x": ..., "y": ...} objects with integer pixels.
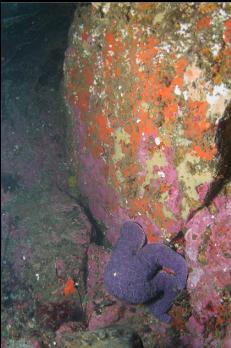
[{"x": 146, "y": 85}]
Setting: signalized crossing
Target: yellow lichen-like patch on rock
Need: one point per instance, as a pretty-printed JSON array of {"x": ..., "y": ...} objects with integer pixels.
[
  {"x": 119, "y": 176},
  {"x": 120, "y": 135},
  {"x": 192, "y": 179},
  {"x": 185, "y": 208},
  {"x": 158, "y": 159},
  {"x": 167, "y": 212}
]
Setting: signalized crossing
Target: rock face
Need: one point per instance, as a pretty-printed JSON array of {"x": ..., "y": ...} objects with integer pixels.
[
  {"x": 208, "y": 249},
  {"x": 114, "y": 337},
  {"x": 146, "y": 85}
]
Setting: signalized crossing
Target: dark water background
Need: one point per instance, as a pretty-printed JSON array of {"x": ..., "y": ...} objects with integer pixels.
[{"x": 34, "y": 37}]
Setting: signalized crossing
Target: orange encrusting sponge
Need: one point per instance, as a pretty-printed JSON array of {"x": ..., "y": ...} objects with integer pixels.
[{"x": 70, "y": 287}]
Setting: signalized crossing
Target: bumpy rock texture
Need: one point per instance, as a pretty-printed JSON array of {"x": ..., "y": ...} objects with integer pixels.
[
  {"x": 140, "y": 273},
  {"x": 146, "y": 85},
  {"x": 114, "y": 337}
]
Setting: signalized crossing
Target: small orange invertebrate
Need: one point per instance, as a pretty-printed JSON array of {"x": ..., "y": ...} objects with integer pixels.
[{"x": 70, "y": 287}]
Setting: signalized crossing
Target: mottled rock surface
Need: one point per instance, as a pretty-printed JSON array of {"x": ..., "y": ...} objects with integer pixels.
[
  {"x": 102, "y": 309},
  {"x": 146, "y": 86},
  {"x": 114, "y": 337},
  {"x": 208, "y": 248}
]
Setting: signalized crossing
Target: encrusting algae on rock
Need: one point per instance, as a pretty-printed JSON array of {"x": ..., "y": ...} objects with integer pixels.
[{"x": 146, "y": 86}]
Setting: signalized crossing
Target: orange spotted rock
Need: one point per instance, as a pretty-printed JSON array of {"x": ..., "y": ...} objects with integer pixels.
[{"x": 146, "y": 94}]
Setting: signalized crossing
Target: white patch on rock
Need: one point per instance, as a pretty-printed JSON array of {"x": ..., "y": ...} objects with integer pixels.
[
  {"x": 157, "y": 141},
  {"x": 177, "y": 90},
  {"x": 195, "y": 277},
  {"x": 161, "y": 174},
  {"x": 106, "y": 7},
  {"x": 215, "y": 49},
  {"x": 223, "y": 14},
  {"x": 186, "y": 95},
  {"x": 183, "y": 28},
  {"x": 167, "y": 47},
  {"x": 218, "y": 91}
]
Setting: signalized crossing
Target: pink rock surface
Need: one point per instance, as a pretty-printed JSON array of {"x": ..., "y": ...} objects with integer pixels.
[
  {"x": 207, "y": 249},
  {"x": 102, "y": 309},
  {"x": 67, "y": 328},
  {"x": 35, "y": 343}
]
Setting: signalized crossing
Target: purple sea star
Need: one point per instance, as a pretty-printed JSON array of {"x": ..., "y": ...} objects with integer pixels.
[{"x": 135, "y": 273}]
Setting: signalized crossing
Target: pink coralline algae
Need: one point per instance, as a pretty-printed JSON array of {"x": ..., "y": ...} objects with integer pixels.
[
  {"x": 102, "y": 309},
  {"x": 136, "y": 272},
  {"x": 208, "y": 248}
]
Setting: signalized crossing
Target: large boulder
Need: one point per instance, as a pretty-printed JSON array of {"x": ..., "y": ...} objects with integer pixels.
[{"x": 147, "y": 87}]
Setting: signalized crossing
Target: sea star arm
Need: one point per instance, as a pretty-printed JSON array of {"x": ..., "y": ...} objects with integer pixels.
[
  {"x": 131, "y": 240},
  {"x": 161, "y": 256},
  {"x": 167, "y": 285}
]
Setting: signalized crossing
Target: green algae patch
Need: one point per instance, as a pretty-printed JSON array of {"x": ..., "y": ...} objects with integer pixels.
[{"x": 72, "y": 182}]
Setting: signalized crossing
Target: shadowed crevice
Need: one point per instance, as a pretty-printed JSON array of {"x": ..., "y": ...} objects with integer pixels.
[
  {"x": 97, "y": 236},
  {"x": 223, "y": 142},
  {"x": 223, "y": 170}
]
